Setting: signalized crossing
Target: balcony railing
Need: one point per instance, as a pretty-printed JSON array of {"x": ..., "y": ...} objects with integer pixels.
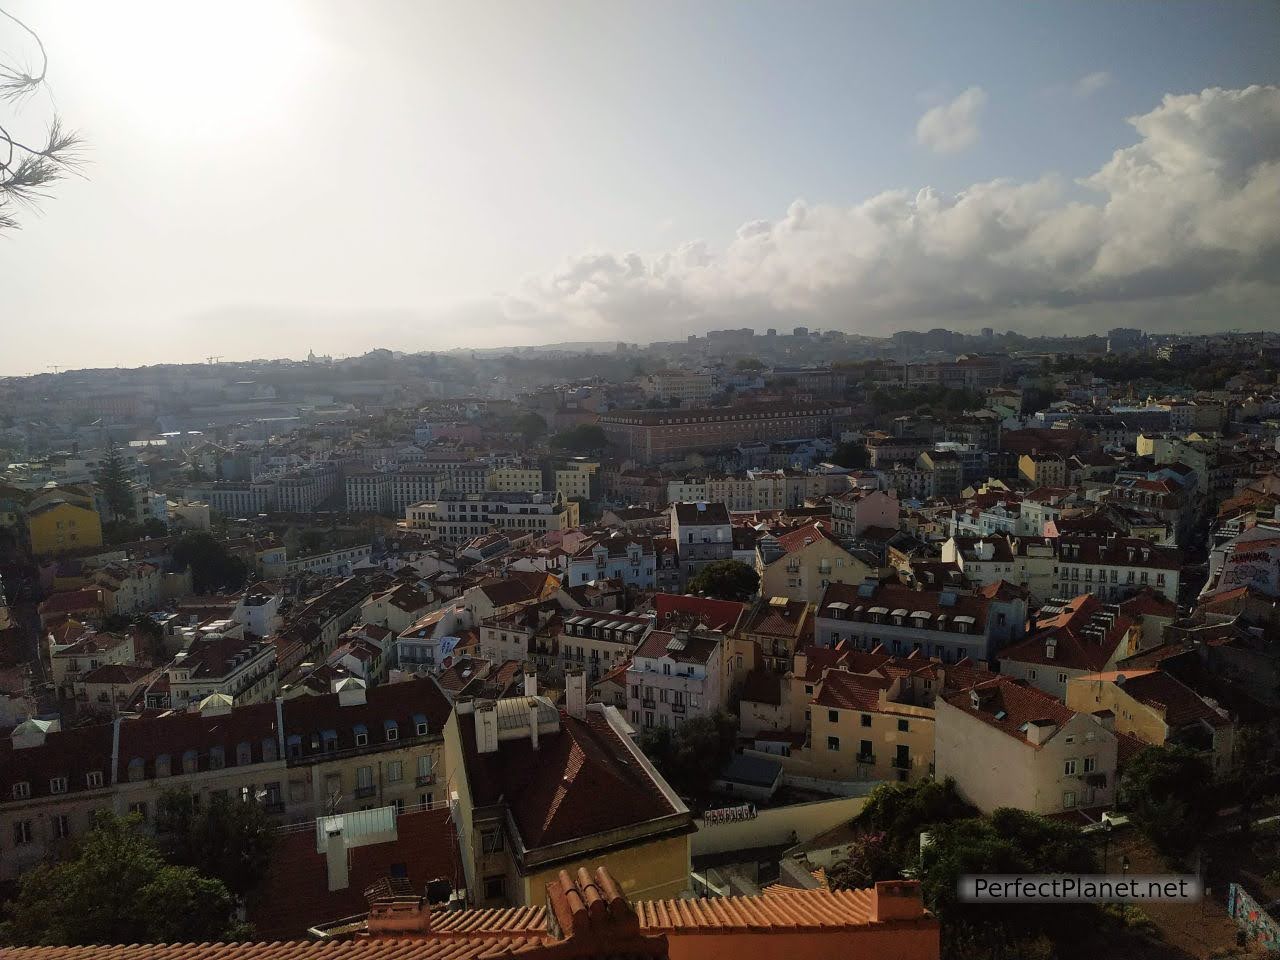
[
  {"x": 677, "y": 708},
  {"x": 362, "y": 792},
  {"x": 424, "y": 780},
  {"x": 648, "y": 704},
  {"x": 868, "y": 758}
]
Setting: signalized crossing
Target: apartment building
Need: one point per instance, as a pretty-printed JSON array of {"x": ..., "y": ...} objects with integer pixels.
[
  {"x": 396, "y": 608},
  {"x": 575, "y": 479},
  {"x": 367, "y": 490},
  {"x": 801, "y": 563},
  {"x": 508, "y": 758},
  {"x": 948, "y": 624},
  {"x": 1043, "y": 469},
  {"x": 598, "y": 642},
  {"x": 1156, "y": 707},
  {"x": 657, "y": 435},
  {"x": 73, "y": 653},
  {"x": 301, "y": 758},
  {"x": 426, "y": 643},
  {"x": 779, "y": 627},
  {"x": 682, "y": 386},
  {"x": 1114, "y": 567},
  {"x": 58, "y": 525},
  {"x": 457, "y": 517},
  {"x": 129, "y": 588},
  {"x": 515, "y": 479},
  {"x": 702, "y": 533},
  {"x": 1069, "y": 639},
  {"x": 677, "y": 674},
  {"x": 868, "y": 727},
  {"x": 244, "y": 670},
  {"x": 633, "y": 560},
  {"x": 853, "y": 513},
  {"x": 1010, "y": 745}
]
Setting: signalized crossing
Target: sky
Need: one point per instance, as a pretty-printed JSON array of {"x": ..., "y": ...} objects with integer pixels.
[{"x": 263, "y": 179}]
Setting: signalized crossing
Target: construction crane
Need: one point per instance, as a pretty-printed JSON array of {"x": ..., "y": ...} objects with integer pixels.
[
  {"x": 214, "y": 359},
  {"x": 54, "y": 367}
]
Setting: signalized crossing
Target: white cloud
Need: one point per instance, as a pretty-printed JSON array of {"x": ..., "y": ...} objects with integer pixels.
[
  {"x": 1090, "y": 84},
  {"x": 953, "y": 126},
  {"x": 1176, "y": 229}
]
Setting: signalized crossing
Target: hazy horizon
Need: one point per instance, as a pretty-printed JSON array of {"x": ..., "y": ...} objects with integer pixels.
[{"x": 266, "y": 179}]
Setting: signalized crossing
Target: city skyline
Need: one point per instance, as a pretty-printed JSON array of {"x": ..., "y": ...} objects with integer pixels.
[{"x": 619, "y": 176}]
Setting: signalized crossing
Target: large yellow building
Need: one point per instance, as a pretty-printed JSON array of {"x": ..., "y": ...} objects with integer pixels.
[
  {"x": 58, "y": 526},
  {"x": 802, "y": 563},
  {"x": 536, "y": 792},
  {"x": 512, "y": 479}
]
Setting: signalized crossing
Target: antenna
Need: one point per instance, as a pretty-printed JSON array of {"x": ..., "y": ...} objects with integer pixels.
[{"x": 54, "y": 367}]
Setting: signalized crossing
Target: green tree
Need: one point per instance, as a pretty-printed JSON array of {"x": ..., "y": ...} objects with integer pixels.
[
  {"x": 531, "y": 426},
  {"x": 868, "y": 861},
  {"x": 1170, "y": 792},
  {"x": 229, "y": 840},
  {"x": 584, "y": 438},
  {"x": 691, "y": 755},
  {"x": 1009, "y": 841},
  {"x": 725, "y": 580},
  {"x": 902, "y": 811},
  {"x": 117, "y": 888},
  {"x": 749, "y": 363},
  {"x": 851, "y": 455},
  {"x": 213, "y": 568},
  {"x": 113, "y": 479}
]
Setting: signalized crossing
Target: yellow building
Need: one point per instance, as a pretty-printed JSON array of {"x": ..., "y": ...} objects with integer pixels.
[
  {"x": 802, "y": 563},
  {"x": 57, "y": 526},
  {"x": 866, "y": 728},
  {"x": 508, "y": 479},
  {"x": 1043, "y": 469},
  {"x": 1156, "y": 708},
  {"x": 574, "y": 479},
  {"x": 537, "y": 792}
]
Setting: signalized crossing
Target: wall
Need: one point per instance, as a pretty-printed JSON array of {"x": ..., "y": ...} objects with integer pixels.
[
  {"x": 873, "y": 942},
  {"x": 775, "y": 826},
  {"x": 647, "y": 871}
]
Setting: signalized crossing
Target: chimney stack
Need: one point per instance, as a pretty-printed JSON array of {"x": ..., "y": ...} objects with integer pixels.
[
  {"x": 486, "y": 727},
  {"x": 530, "y": 681},
  {"x": 335, "y": 859},
  {"x": 896, "y": 900},
  {"x": 533, "y": 723},
  {"x": 575, "y": 694}
]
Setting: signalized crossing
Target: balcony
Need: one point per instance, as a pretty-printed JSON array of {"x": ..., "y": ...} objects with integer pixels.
[
  {"x": 648, "y": 704},
  {"x": 677, "y": 708},
  {"x": 364, "y": 792},
  {"x": 868, "y": 758},
  {"x": 424, "y": 780}
]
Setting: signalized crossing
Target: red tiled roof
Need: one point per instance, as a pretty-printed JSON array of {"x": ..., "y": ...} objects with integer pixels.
[
  {"x": 580, "y": 781},
  {"x": 1073, "y": 647},
  {"x": 851, "y": 691},
  {"x": 777, "y": 621},
  {"x": 1014, "y": 702},
  {"x": 802, "y": 537},
  {"x": 698, "y": 648},
  {"x": 791, "y": 910},
  {"x": 67, "y": 753},
  {"x": 1166, "y": 694},
  {"x": 308, "y": 717},
  {"x": 715, "y": 614}
]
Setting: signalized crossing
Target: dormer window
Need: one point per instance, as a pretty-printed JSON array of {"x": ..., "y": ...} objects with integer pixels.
[
  {"x": 362, "y": 735},
  {"x": 190, "y": 762},
  {"x": 420, "y": 725},
  {"x": 391, "y": 731},
  {"x": 217, "y": 758},
  {"x": 58, "y": 785},
  {"x": 137, "y": 769},
  {"x": 268, "y": 749},
  {"x": 21, "y": 790},
  {"x": 163, "y": 764},
  {"x": 93, "y": 780}
]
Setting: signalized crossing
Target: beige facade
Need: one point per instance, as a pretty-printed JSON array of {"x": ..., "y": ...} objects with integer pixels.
[
  {"x": 512, "y": 479},
  {"x": 884, "y": 741},
  {"x": 993, "y": 768},
  {"x": 804, "y": 573}
]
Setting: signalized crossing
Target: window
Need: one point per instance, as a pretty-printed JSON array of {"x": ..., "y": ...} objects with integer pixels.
[
  {"x": 491, "y": 840},
  {"x": 395, "y": 771},
  {"x": 1031, "y": 674},
  {"x": 217, "y": 758},
  {"x": 22, "y": 832},
  {"x": 866, "y": 719},
  {"x": 424, "y": 769},
  {"x": 1090, "y": 764},
  {"x": 392, "y": 731},
  {"x": 1068, "y": 799},
  {"x": 21, "y": 790},
  {"x": 362, "y": 737},
  {"x": 1062, "y": 678},
  {"x": 808, "y": 688},
  {"x": 422, "y": 727},
  {"x": 244, "y": 754},
  {"x": 1069, "y": 768},
  {"x": 495, "y": 888},
  {"x": 902, "y": 726},
  {"x": 833, "y": 743},
  {"x": 61, "y": 826},
  {"x": 865, "y": 752},
  {"x": 58, "y": 785}
]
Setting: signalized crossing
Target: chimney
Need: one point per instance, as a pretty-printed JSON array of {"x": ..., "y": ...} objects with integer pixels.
[
  {"x": 896, "y": 900},
  {"x": 403, "y": 916},
  {"x": 1039, "y": 731},
  {"x": 533, "y": 723},
  {"x": 486, "y": 727},
  {"x": 530, "y": 682},
  {"x": 335, "y": 859},
  {"x": 575, "y": 694}
]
